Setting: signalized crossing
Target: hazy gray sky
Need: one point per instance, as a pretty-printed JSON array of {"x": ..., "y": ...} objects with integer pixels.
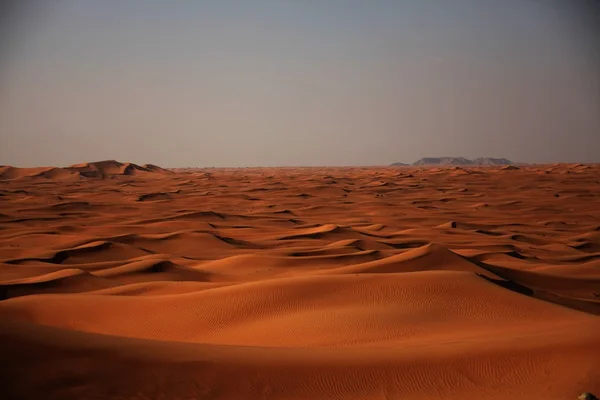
[{"x": 298, "y": 82}]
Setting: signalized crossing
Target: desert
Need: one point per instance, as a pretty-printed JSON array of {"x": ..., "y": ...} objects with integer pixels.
[
  {"x": 300, "y": 200},
  {"x": 121, "y": 281}
]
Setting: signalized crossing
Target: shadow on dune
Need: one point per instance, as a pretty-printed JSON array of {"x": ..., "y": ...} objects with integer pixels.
[{"x": 540, "y": 292}]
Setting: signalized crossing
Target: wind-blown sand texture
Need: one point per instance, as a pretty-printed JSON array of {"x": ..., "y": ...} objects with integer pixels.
[{"x": 127, "y": 282}]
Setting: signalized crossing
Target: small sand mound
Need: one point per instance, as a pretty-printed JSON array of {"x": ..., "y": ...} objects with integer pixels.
[
  {"x": 107, "y": 169},
  {"x": 459, "y": 225},
  {"x": 63, "y": 281},
  {"x": 154, "y": 168},
  {"x": 154, "y": 270},
  {"x": 72, "y": 205},
  {"x": 431, "y": 257},
  {"x": 96, "y": 251},
  {"x": 479, "y": 205},
  {"x": 154, "y": 196},
  {"x": 57, "y": 174},
  {"x": 9, "y": 173},
  {"x": 314, "y": 233}
]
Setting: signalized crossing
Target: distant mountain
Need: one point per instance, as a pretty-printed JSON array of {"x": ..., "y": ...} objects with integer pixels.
[
  {"x": 443, "y": 161},
  {"x": 454, "y": 161},
  {"x": 491, "y": 161},
  {"x": 399, "y": 164}
]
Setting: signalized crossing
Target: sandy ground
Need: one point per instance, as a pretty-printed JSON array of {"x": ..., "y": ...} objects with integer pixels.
[{"x": 127, "y": 282}]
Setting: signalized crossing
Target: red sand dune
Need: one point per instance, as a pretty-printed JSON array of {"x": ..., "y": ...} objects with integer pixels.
[
  {"x": 100, "y": 169},
  {"x": 124, "y": 281}
]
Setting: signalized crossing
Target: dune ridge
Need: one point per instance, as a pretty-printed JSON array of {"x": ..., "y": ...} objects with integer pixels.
[
  {"x": 99, "y": 169},
  {"x": 124, "y": 281}
]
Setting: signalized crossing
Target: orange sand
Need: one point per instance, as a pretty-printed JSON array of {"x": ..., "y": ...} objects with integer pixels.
[{"x": 126, "y": 282}]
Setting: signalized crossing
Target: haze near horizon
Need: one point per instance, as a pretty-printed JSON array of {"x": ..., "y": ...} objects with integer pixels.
[{"x": 283, "y": 83}]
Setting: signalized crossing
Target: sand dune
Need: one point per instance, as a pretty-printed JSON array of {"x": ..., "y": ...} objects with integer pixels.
[
  {"x": 126, "y": 281},
  {"x": 100, "y": 169}
]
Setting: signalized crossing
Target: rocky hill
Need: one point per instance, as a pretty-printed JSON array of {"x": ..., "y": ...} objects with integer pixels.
[
  {"x": 443, "y": 161},
  {"x": 458, "y": 161},
  {"x": 492, "y": 161}
]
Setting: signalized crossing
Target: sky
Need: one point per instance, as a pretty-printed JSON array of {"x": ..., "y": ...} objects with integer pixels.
[{"x": 240, "y": 83}]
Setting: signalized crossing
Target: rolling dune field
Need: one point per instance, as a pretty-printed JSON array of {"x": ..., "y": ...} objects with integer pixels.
[{"x": 120, "y": 281}]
